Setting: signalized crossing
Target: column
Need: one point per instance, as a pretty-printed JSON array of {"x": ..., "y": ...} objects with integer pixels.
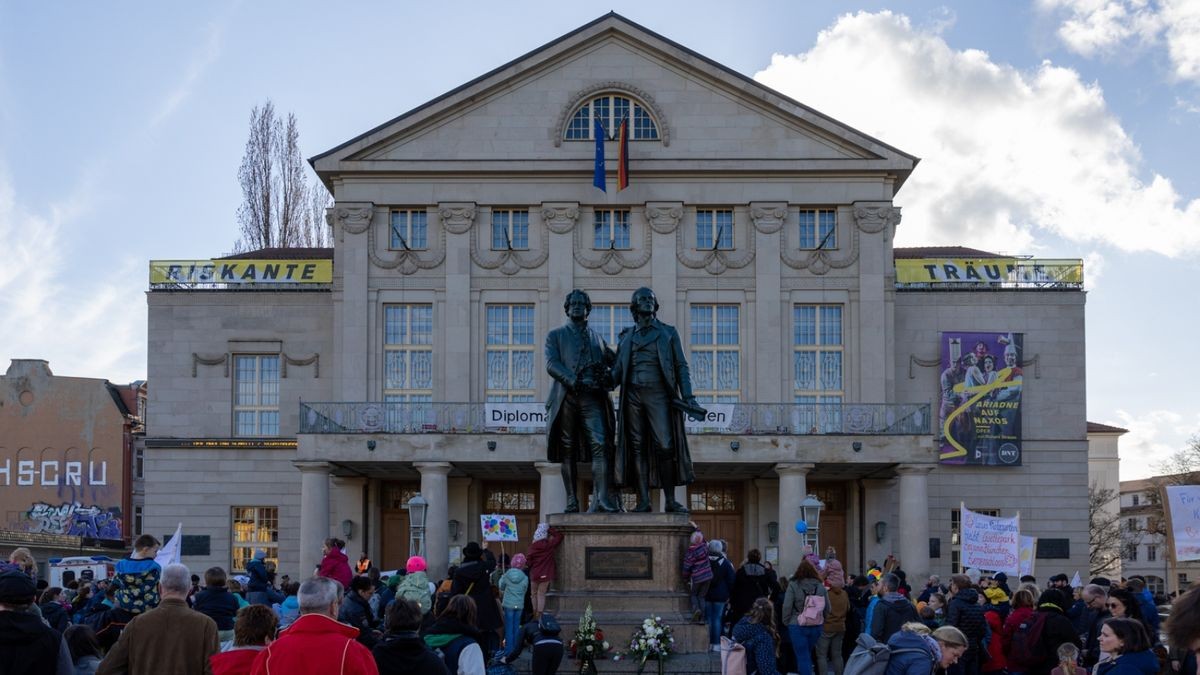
[
  {"x": 457, "y": 218},
  {"x": 314, "y": 514},
  {"x": 793, "y": 487},
  {"x": 663, "y": 218},
  {"x": 351, "y": 339},
  {"x": 876, "y": 221},
  {"x": 768, "y": 219},
  {"x": 435, "y": 490},
  {"x": 914, "y": 519},
  {"x": 553, "y": 494}
]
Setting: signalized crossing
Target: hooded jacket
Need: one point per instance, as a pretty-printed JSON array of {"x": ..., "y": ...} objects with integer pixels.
[
  {"x": 695, "y": 564},
  {"x": 316, "y": 643},
  {"x": 749, "y": 583},
  {"x": 259, "y": 581},
  {"x": 404, "y": 653},
  {"x": 336, "y": 566},
  {"x": 922, "y": 658},
  {"x": 27, "y": 645},
  {"x": 722, "y": 581},
  {"x": 964, "y": 613},
  {"x": 513, "y": 585},
  {"x": 415, "y": 586},
  {"x": 541, "y": 557},
  {"x": 458, "y": 642}
]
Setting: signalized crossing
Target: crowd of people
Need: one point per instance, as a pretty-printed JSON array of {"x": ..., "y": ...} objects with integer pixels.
[{"x": 488, "y": 609}]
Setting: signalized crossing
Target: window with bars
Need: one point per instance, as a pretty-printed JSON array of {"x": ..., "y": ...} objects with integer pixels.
[
  {"x": 510, "y": 230},
  {"x": 956, "y": 530},
  {"x": 713, "y": 498},
  {"x": 256, "y": 395},
  {"x": 610, "y": 229},
  {"x": 716, "y": 353},
  {"x": 408, "y": 229},
  {"x": 818, "y": 228},
  {"x": 408, "y": 353},
  {"x": 254, "y": 527},
  {"x": 508, "y": 499},
  {"x": 610, "y": 109},
  {"x": 817, "y": 366},
  {"x": 510, "y": 353},
  {"x": 714, "y": 229}
]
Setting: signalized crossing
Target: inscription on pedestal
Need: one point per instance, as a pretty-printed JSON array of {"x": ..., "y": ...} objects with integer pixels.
[{"x": 618, "y": 562}]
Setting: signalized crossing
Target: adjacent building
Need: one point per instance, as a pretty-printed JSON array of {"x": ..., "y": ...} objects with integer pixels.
[
  {"x": 66, "y": 450},
  {"x": 1145, "y": 547},
  {"x": 307, "y": 393}
]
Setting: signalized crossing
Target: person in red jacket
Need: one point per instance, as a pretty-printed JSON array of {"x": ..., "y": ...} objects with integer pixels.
[
  {"x": 995, "y": 661},
  {"x": 1022, "y": 609},
  {"x": 542, "y": 568},
  {"x": 316, "y": 643},
  {"x": 254, "y": 629},
  {"x": 334, "y": 563}
]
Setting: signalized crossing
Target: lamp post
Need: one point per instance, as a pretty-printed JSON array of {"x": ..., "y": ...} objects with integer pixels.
[
  {"x": 810, "y": 511},
  {"x": 417, "y": 508}
]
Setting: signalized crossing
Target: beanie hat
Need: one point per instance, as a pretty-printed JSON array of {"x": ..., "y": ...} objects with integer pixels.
[
  {"x": 260, "y": 554},
  {"x": 1053, "y": 596},
  {"x": 16, "y": 589},
  {"x": 995, "y": 595},
  {"x": 715, "y": 547},
  {"x": 472, "y": 551},
  {"x": 1060, "y": 577},
  {"x": 835, "y": 576},
  {"x": 873, "y": 574},
  {"x": 394, "y": 581},
  {"x": 416, "y": 564},
  {"x": 1000, "y": 577},
  {"x": 542, "y": 531},
  {"x": 518, "y": 561},
  {"x": 697, "y": 537}
]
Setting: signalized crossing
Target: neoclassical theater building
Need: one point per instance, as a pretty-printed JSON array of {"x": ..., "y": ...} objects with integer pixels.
[{"x": 304, "y": 393}]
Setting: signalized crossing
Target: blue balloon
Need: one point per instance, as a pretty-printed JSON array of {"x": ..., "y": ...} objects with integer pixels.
[{"x": 801, "y": 527}]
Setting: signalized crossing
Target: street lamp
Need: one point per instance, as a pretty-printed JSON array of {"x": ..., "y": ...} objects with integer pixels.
[
  {"x": 417, "y": 508},
  {"x": 810, "y": 511}
]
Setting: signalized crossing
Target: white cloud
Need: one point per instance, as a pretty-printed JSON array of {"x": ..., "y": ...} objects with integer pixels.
[
  {"x": 87, "y": 320},
  {"x": 1005, "y": 153},
  {"x": 1153, "y": 436},
  {"x": 1105, "y": 28},
  {"x": 201, "y": 60},
  {"x": 1093, "y": 269}
]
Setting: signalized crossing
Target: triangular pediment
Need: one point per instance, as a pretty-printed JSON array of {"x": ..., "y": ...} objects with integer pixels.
[{"x": 707, "y": 114}]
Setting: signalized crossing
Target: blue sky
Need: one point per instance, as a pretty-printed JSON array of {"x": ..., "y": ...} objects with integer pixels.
[{"x": 1052, "y": 127}]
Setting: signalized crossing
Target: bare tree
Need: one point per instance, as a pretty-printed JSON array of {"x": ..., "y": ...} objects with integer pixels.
[
  {"x": 1105, "y": 542},
  {"x": 277, "y": 200},
  {"x": 316, "y": 230}
]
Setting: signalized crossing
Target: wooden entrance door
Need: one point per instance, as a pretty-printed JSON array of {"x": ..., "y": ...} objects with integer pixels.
[
  {"x": 519, "y": 499},
  {"x": 717, "y": 510},
  {"x": 833, "y": 518},
  {"x": 395, "y": 540}
]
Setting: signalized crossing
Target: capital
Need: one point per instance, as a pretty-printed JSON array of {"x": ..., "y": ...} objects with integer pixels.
[
  {"x": 768, "y": 217},
  {"x": 457, "y": 217},
  {"x": 433, "y": 468},
  {"x": 664, "y": 217},
  {"x": 312, "y": 467},
  {"x": 352, "y": 217},
  {"x": 794, "y": 468},
  {"x": 872, "y": 217},
  {"x": 560, "y": 217}
]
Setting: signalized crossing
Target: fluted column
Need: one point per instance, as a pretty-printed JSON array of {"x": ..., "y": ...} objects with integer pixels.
[
  {"x": 553, "y": 498},
  {"x": 914, "y": 519},
  {"x": 434, "y": 489},
  {"x": 793, "y": 486},
  {"x": 314, "y": 514}
]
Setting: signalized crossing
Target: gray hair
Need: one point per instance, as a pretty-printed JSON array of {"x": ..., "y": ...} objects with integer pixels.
[
  {"x": 1095, "y": 591},
  {"x": 891, "y": 582},
  {"x": 176, "y": 578},
  {"x": 317, "y": 594}
]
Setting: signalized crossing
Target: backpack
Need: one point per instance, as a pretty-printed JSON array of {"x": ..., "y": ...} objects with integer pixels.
[
  {"x": 1024, "y": 653},
  {"x": 871, "y": 657},
  {"x": 733, "y": 657},
  {"x": 414, "y": 587},
  {"x": 813, "y": 613}
]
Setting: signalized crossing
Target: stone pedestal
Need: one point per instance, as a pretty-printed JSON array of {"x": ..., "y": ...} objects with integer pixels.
[{"x": 627, "y": 566}]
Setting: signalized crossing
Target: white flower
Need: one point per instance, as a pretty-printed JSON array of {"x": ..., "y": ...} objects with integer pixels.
[
  {"x": 588, "y": 648},
  {"x": 606, "y": 644}
]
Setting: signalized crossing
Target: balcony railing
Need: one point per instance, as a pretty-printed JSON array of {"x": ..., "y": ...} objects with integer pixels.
[{"x": 738, "y": 419}]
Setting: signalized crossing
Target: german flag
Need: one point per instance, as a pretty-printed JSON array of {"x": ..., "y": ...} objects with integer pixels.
[{"x": 623, "y": 156}]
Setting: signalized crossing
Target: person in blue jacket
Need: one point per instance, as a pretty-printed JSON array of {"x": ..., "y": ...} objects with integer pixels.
[
  {"x": 718, "y": 591},
  {"x": 917, "y": 651},
  {"x": 1127, "y": 640}
]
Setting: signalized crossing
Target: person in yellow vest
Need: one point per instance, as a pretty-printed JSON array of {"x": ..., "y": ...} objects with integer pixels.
[{"x": 364, "y": 564}]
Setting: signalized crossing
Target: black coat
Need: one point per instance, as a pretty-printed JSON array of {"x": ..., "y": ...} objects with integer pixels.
[
  {"x": 406, "y": 654},
  {"x": 56, "y": 615},
  {"x": 218, "y": 604},
  {"x": 473, "y": 576},
  {"x": 749, "y": 584},
  {"x": 964, "y": 613},
  {"x": 889, "y": 616},
  {"x": 357, "y": 612},
  {"x": 1058, "y": 630},
  {"x": 27, "y": 645}
]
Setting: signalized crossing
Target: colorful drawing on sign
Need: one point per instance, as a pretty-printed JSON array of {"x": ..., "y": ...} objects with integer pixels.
[
  {"x": 1028, "y": 552},
  {"x": 75, "y": 520},
  {"x": 499, "y": 527},
  {"x": 979, "y": 420},
  {"x": 991, "y": 543}
]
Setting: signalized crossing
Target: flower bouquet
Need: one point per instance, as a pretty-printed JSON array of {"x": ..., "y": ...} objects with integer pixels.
[
  {"x": 588, "y": 643},
  {"x": 653, "y": 640}
]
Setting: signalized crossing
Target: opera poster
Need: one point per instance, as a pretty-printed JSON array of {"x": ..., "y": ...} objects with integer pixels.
[{"x": 979, "y": 416}]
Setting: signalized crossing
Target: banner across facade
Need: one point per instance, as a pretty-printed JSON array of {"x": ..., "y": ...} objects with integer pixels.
[
  {"x": 988, "y": 271},
  {"x": 241, "y": 272},
  {"x": 979, "y": 419}
]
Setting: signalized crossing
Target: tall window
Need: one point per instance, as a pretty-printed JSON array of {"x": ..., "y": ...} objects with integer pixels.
[
  {"x": 256, "y": 395},
  {"x": 137, "y": 521},
  {"x": 139, "y": 462},
  {"x": 1151, "y": 553},
  {"x": 818, "y": 228},
  {"x": 611, "y": 229},
  {"x": 817, "y": 366},
  {"x": 609, "y": 321},
  {"x": 610, "y": 110},
  {"x": 714, "y": 229},
  {"x": 716, "y": 353},
  {"x": 408, "y": 229},
  {"x": 254, "y": 527},
  {"x": 510, "y": 353},
  {"x": 510, "y": 230},
  {"x": 1135, "y": 499},
  {"x": 408, "y": 353}
]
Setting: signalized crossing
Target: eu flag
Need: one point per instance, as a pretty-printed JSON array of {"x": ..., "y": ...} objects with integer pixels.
[{"x": 598, "y": 173}]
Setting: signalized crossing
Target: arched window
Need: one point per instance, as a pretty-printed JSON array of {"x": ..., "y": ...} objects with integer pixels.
[{"x": 610, "y": 109}]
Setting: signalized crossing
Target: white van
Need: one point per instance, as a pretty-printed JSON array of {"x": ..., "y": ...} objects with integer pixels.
[{"x": 83, "y": 567}]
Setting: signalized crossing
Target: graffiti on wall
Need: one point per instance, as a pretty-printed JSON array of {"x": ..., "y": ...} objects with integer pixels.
[{"x": 75, "y": 519}]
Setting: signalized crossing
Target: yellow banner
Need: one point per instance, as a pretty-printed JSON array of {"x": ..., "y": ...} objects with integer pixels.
[
  {"x": 241, "y": 272},
  {"x": 988, "y": 271}
]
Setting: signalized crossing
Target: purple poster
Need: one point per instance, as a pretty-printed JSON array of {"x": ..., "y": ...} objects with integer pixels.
[{"x": 979, "y": 419}]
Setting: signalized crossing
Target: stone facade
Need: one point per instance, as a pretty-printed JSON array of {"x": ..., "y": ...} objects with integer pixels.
[{"x": 499, "y": 144}]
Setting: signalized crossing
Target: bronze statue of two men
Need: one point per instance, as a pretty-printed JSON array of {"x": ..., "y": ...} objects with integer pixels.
[{"x": 644, "y": 445}]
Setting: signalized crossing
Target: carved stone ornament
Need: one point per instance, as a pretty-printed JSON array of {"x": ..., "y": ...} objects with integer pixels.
[
  {"x": 457, "y": 217},
  {"x": 508, "y": 261},
  {"x": 314, "y": 361},
  {"x": 768, "y": 217},
  {"x": 717, "y": 261},
  {"x": 353, "y": 217},
  {"x": 612, "y": 87},
  {"x": 664, "y": 217},
  {"x": 611, "y": 261},
  {"x": 875, "y": 217},
  {"x": 817, "y": 261},
  {"x": 222, "y": 360},
  {"x": 560, "y": 217}
]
